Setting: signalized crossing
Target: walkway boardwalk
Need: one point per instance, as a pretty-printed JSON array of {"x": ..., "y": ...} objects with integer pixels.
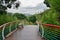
[{"x": 30, "y": 32}]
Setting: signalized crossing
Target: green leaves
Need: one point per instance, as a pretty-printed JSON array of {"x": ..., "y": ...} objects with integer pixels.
[
  {"x": 6, "y": 18},
  {"x": 53, "y": 4},
  {"x": 55, "y": 15},
  {"x": 46, "y": 2},
  {"x": 32, "y": 19},
  {"x": 4, "y": 4},
  {"x": 50, "y": 17},
  {"x": 20, "y": 16}
]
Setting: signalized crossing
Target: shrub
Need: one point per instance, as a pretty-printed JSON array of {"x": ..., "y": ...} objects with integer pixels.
[{"x": 6, "y": 18}]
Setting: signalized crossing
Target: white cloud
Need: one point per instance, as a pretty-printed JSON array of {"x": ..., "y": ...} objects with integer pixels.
[
  {"x": 31, "y": 3},
  {"x": 29, "y": 7}
]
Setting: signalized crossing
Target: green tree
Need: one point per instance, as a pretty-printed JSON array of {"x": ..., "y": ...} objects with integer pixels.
[
  {"x": 32, "y": 19},
  {"x": 4, "y": 4},
  {"x": 46, "y": 2},
  {"x": 20, "y": 16},
  {"x": 53, "y": 4},
  {"x": 6, "y": 18}
]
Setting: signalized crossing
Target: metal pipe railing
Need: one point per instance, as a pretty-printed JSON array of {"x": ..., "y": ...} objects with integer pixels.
[
  {"x": 10, "y": 28},
  {"x": 42, "y": 30},
  {"x": 3, "y": 33},
  {"x": 50, "y": 31}
]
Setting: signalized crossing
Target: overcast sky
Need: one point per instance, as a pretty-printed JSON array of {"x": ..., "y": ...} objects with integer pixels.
[
  {"x": 26, "y": 6},
  {"x": 31, "y": 3}
]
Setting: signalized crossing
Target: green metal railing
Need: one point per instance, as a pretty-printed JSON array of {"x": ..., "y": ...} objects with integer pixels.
[
  {"x": 7, "y": 28},
  {"x": 50, "y": 32}
]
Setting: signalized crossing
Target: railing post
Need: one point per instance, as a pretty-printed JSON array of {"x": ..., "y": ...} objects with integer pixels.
[
  {"x": 16, "y": 25},
  {"x": 3, "y": 32},
  {"x": 40, "y": 24},
  {"x": 10, "y": 28},
  {"x": 42, "y": 30}
]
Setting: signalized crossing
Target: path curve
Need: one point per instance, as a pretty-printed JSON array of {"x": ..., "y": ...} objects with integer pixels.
[{"x": 30, "y": 32}]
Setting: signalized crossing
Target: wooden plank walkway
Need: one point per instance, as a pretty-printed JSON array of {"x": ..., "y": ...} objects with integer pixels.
[{"x": 30, "y": 32}]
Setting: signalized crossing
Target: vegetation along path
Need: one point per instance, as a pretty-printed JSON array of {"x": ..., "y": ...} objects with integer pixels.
[{"x": 30, "y": 32}]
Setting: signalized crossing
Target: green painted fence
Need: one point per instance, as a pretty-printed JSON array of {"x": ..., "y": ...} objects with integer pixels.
[
  {"x": 5, "y": 29},
  {"x": 50, "y": 33}
]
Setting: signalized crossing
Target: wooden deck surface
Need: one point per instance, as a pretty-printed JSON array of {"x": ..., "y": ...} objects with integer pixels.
[{"x": 29, "y": 32}]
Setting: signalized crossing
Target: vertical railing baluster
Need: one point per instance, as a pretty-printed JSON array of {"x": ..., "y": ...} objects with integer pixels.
[
  {"x": 10, "y": 27},
  {"x": 3, "y": 32},
  {"x": 42, "y": 30},
  {"x": 16, "y": 25}
]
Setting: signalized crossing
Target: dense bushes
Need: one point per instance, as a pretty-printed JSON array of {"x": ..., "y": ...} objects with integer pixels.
[
  {"x": 31, "y": 20},
  {"x": 20, "y": 16},
  {"x": 50, "y": 17},
  {"x": 6, "y": 18}
]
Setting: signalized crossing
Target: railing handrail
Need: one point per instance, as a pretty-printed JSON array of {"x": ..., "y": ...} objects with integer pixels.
[
  {"x": 2, "y": 27},
  {"x": 51, "y": 25},
  {"x": 48, "y": 25}
]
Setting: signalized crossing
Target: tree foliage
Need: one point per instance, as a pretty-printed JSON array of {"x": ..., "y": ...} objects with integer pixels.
[
  {"x": 32, "y": 19},
  {"x": 20, "y": 16},
  {"x": 4, "y": 4},
  {"x": 6, "y": 18},
  {"x": 46, "y": 2},
  {"x": 55, "y": 4}
]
